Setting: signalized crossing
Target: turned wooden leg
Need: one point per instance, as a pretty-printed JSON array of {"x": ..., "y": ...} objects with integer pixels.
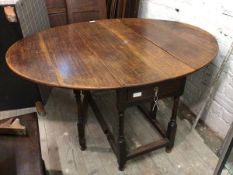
[
  {"x": 82, "y": 112},
  {"x": 121, "y": 142},
  {"x": 153, "y": 111},
  {"x": 85, "y": 106},
  {"x": 171, "y": 129}
]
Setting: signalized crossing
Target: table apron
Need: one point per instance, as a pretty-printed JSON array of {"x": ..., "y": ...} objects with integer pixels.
[{"x": 134, "y": 95}]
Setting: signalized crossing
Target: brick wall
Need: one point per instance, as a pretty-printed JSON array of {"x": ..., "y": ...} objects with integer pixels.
[{"x": 216, "y": 17}]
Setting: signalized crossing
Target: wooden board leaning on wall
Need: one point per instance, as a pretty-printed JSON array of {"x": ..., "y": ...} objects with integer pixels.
[{"x": 62, "y": 12}]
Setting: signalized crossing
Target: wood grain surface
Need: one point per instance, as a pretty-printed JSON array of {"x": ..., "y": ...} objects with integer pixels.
[
  {"x": 110, "y": 54},
  {"x": 21, "y": 155}
]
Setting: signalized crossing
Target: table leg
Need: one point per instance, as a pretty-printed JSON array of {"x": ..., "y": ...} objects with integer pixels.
[
  {"x": 82, "y": 113},
  {"x": 121, "y": 143},
  {"x": 153, "y": 111},
  {"x": 85, "y": 106},
  {"x": 171, "y": 129}
]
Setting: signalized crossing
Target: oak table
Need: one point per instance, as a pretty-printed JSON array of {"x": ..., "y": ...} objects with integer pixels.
[{"x": 143, "y": 60}]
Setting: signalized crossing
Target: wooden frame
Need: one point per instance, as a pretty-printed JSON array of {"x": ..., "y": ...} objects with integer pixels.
[{"x": 118, "y": 145}]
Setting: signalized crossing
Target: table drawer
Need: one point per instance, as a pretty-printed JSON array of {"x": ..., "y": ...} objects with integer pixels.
[{"x": 164, "y": 89}]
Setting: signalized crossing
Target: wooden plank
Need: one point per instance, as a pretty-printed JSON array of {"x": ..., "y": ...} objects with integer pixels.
[
  {"x": 12, "y": 127},
  {"x": 147, "y": 148},
  {"x": 18, "y": 112}
]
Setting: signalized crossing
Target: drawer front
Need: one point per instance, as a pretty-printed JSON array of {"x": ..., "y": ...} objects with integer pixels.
[
  {"x": 163, "y": 89},
  {"x": 140, "y": 93}
]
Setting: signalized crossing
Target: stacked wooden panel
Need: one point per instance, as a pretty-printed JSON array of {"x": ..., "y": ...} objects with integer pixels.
[{"x": 63, "y": 12}]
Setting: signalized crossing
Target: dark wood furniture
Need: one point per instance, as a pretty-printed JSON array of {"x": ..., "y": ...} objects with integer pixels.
[
  {"x": 143, "y": 60},
  {"x": 57, "y": 11},
  {"x": 63, "y": 12},
  {"x": 15, "y": 92},
  {"x": 122, "y": 8},
  {"x": 21, "y": 155},
  {"x": 80, "y": 11}
]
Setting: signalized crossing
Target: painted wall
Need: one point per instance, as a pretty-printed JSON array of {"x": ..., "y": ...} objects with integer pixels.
[
  {"x": 216, "y": 17},
  {"x": 7, "y": 2}
]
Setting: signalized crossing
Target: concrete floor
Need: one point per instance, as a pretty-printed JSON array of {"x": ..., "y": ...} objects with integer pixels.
[{"x": 211, "y": 138}]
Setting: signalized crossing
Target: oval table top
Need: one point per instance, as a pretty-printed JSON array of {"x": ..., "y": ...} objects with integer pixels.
[{"x": 110, "y": 54}]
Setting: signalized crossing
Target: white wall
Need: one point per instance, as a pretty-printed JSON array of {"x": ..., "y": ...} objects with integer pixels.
[
  {"x": 7, "y": 2},
  {"x": 216, "y": 17}
]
